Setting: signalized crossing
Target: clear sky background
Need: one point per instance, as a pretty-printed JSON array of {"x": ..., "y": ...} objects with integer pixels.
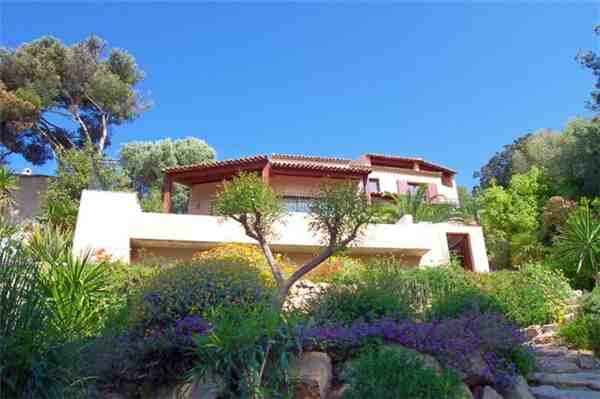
[{"x": 449, "y": 81}]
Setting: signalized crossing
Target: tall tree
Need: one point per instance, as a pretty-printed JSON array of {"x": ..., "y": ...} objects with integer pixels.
[
  {"x": 338, "y": 215},
  {"x": 591, "y": 61},
  {"x": 498, "y": 170},
  {"x": 143, "y": 162},
  {"x": 57, "y": 97}
]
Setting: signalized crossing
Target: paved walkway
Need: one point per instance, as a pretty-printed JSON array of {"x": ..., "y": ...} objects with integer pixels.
[{"x": 563, "y": 373}]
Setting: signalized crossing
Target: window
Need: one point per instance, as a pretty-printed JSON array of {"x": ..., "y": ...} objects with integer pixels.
[
  {"x": 412, "y": 188},
  {"x": 297, "y": 204},
  {"x": 374, "y": 186}
]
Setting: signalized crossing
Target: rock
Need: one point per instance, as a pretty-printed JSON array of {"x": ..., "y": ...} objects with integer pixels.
[
  {"x": 549, "y": 329},
  {"x": 549, "y": 392},
  {"x": 207, "y": 388},
  {"x": 587, "y": 361},
  {"x": 531, "y": 332},
  {"x": 550, "y": 350},
  {"x": 465, "y": 391},
  {"x": 490, "y": 393},
  {"x": 314, "y": 373},
  {"x": 475, "y": 372},
  {"x": 519, "y": 391},
  {"x": 338, "y": 393},
  {"x": 544, "y": 338},
  {"x": 302, "y": 292},
  {"x": 584, "y": 379},
  {"x": 554, "y": 364}
]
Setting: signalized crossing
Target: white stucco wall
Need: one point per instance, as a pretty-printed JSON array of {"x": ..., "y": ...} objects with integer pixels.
[
  {"x": 105, "y": 221},
  {"x": 388, "y": 178},
  {"x": 112, "y": 221}
]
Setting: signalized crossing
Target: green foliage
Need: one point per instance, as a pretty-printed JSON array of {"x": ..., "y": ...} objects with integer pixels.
[
  {"x": 534, "y": 294},
  {"x": 339, "y": 213},
  {"x": 44, "y": 77},
  {"x": 359, "y": 301},
  {"x": 578, "y": 243},
  {"x": 577, "y": 332},
  {"x": 467, "y": 301},
  {"x": 591, "y": 303},
  {"x": 391, "y": 373},
  {"x": 247, "y": 199},
  {"x": 511, "y": 219},
  {"x": 143, "y": 163},
  {"x": 555, "y": 213},
  {"x": 42, "y": 315},
  {"x": 75, "y": 289},
  {"x": 416, "y": 204},
  {"x": 249, "y": 349},
  {"x": 73, "y": 175},
  {"x": 9, "y": 183},
  {"x": 193, "y": 288}
]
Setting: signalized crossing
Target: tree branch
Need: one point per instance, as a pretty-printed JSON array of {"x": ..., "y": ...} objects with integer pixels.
[{"x": 308, "y": 267}]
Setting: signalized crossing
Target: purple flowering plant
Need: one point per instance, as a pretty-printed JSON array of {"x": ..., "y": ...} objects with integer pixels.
[{"x": 454, "y": 342}]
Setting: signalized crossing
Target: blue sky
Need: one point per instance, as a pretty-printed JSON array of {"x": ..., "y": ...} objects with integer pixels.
[{"x": 449, "y": 81}]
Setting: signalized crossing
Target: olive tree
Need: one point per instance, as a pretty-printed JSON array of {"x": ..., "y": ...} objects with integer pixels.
[{"x": 338, "y": 216}]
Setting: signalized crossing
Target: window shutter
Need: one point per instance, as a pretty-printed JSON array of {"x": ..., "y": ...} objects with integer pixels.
[
  {"x": 402, "y": 186},
  {"x": 432, "y": 190}
]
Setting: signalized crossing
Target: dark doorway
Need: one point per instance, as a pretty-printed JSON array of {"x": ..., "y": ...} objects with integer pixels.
[{"x": 460, "y": 246}]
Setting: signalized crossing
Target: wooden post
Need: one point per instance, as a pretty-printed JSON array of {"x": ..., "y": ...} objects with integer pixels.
[
  {"x": 167, "y": 189},
  {"x": 266, "y": 173},
  {"x": 366, "y": 188}
]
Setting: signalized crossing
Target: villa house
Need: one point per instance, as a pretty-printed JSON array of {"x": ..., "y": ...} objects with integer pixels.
[{"x": 114, "y": 223}]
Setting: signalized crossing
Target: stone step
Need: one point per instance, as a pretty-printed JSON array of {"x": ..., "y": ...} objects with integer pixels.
[
  {"x": 555, "y": 364},
  {"x": 550, "y": 350},
  {"x": 583, "y": 379},
  {"x": 550, "y": 392}
]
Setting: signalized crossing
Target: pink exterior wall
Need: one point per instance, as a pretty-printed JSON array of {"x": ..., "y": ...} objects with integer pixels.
[{"x": 201, "y": 196}]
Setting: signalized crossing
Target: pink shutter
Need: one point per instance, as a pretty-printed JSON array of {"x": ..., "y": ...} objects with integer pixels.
[
  {"x": 402, "y": 186},
  {"x": 432, "y": 191}
]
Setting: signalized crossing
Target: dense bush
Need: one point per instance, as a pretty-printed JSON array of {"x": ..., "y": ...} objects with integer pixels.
[
  {"x": 250, "y": 254},
  {"x": 577, "y": 332},
  {"x": 532, "y": 295},
  {"x": 468, "y": 301},
  {"x": 249, "y": 349},
  {"x": 392, "y": 373},
  {"x": 192, "y": 288},
  {"x": 347, "y": 303},
  {"x": 50, "y": 303}
]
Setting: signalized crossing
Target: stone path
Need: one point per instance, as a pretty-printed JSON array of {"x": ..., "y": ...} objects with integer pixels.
[{"x": 562, "y": 373}]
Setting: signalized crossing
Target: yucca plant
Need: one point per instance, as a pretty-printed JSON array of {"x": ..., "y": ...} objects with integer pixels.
[
  {"x": 21, "y": 314},
  {"x": 579, "y": 241},
  {"x": 75, "y": 288},
  {"x": 9, "y": 183}
]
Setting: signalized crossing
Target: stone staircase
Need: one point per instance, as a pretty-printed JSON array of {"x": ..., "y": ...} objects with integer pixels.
[{"x": 562, "y": 373}]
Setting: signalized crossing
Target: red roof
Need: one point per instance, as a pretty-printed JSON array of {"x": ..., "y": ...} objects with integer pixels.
[{"x": 289, "y": 164}]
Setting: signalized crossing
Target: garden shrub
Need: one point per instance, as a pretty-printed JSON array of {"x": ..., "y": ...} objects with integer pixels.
[
  {"x": 334, "y": 269},
  {"x": 583, "y": 332},
  {"x": 345, "y": 304},
  {"x": 190, "y": 289},
  {"x": 246, "y": 253},
  {"x": 249, "y": 349},
  {"x": 591, "y": 303},
  {"x": 467, "y": 301},
  {"x": 392, "y": 373},
  {"x": 534, "y": 294}
]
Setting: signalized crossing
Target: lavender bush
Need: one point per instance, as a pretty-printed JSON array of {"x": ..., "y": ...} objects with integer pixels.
[{"x": 454, "y": 342}]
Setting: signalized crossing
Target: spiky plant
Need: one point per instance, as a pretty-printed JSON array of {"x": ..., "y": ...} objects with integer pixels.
[{"x": 579, "y": 241}]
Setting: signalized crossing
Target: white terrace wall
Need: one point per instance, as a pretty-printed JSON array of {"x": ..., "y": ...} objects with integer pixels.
[{"x": 111, "y": 222}]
